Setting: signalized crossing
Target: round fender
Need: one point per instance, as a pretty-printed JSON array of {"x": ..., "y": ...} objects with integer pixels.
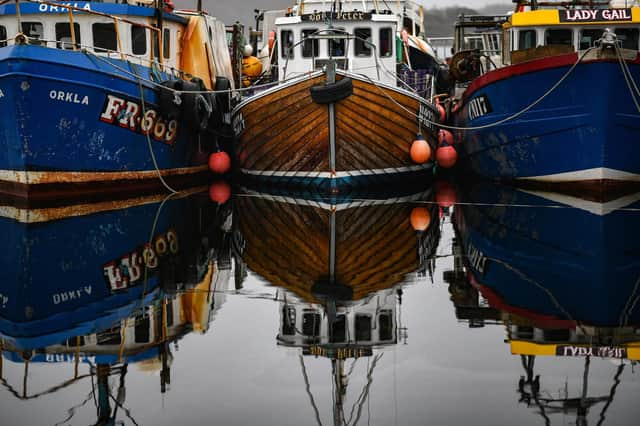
[{"x": 333, "y": 92}]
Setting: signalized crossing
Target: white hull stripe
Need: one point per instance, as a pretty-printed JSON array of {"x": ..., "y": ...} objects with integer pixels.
[
  {"x": 35, "y": 177},
  {"x": 364, "y": 202},
  {"x": 599, "y": 209},
  {"x": 597, "y": 173},
  {"x": 338, "y": 175}
]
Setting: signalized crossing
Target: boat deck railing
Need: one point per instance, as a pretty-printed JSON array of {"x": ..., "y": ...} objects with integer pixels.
[{"x": 156, "y": 54}]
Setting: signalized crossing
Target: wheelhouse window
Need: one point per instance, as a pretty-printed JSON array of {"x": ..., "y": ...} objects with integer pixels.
[
  {"x": 339, "y": 330},
  {"x": 63, "y": 35},
  {"x": 311, "y": 324},
  {"x": 558, "y": 37},
  {"x": 104, "y": 37},
  {"x": 337, "y": 47},
  {"x": 166, "y": 43},
  {"x": 3, "y": 36},
  {"x": 385, "y": 325},
  {"x": 138, "y": 40},
  {"x": 363, "y": 41},
  {"x": 310, "y": 47},
  {"x": 628, "y": 37},
  {"x": 286, "y": 36},
  {"x": 35, "y": 32},
  {"x": 527, "y": 39},
  {"x": 588, "y": 37},
  {"x": 363, "y": 328},
  {"x": 385, "y": 45}
]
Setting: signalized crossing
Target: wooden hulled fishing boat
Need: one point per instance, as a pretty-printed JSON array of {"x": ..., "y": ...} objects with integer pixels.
[
  {"x": 342, "y": 248},
  {"x": 95, "y": 96},
  {"x": 557, "y": 103},
  {"x": 339, "y": 115}
]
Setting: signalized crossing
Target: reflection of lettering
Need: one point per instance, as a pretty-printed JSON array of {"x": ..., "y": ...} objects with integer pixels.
[
  {"x": 71, "y": 358},
  {"x": 592, "y": 351},
  {"x": 238, "y": 124},
  {"x": 476, "y": 258},
  {"x": 128, "y": 270},
  {"x": 1, "y": 94},
  {"x": 68, "y": 296},
  {"x": 3, "y": 300}
]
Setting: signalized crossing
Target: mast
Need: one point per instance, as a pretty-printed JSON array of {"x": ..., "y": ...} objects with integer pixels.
[{"x": 337, "y": 368}]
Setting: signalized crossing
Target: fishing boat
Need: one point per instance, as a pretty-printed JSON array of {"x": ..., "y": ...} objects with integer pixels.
[
  {"x": 550, "y": 96},
  {"x": 97, "y": 97},
  {"x": 340, "y": 115}
]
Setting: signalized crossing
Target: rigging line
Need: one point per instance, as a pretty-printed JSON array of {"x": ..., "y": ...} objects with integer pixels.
[
  {"x": 56, "y": 388},
  {"x": 625, "y": 65},
  {"x": 147, "y": 134},
  {"x": 308, "y": 389},
  {"x": 72, "y": 411},
  {"x": 365, "y": 391},
  {"x": 126, "y": 410},
  {"x": 612, "y": 393},
  {"x": 629, "y": 306},
  {"x": 499, "y": 122},
  {"x": 621, "y": 62}
]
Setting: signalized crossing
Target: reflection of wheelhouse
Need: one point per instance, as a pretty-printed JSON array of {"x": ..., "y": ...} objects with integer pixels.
[{"x": 352, "y": 331}]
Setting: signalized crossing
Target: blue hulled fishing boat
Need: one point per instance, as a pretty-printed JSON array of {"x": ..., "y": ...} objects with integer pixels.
[
  {"x": 93, "y": 95},
  {"x": 551, "y": 95}
]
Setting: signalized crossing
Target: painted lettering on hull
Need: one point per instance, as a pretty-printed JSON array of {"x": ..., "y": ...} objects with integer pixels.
[
  {"x": 129, "y": 115},
  {"x": 478, "y": 107},
  {"x": 62, "y": 8},
  {"x": 597, "y": 351},
  {"x": 69, "y": 97}
]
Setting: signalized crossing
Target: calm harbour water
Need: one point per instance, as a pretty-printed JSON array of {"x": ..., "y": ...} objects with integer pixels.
[{"x": 508, "y": 308}]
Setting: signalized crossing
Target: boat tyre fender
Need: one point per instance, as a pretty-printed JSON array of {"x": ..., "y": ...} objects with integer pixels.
[
  {"x": 196, "y": 106},
  {"x": 333, "y": 92},
  {"x": 169, "y": 101}
]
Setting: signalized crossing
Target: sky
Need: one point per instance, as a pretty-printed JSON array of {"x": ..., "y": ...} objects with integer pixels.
[{"x": 232, "y": 10}]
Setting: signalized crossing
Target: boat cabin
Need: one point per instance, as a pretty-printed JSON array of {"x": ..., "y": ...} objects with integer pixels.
[{"x": 360, "y": 42}]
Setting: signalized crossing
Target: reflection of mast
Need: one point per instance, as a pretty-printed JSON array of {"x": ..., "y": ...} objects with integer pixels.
[{"x": 529, "y": 389}]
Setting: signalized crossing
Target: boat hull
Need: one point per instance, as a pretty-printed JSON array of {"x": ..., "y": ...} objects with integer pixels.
[
  {"x": 72, "y": 124},
  {"x": 580, "y": 136},
  {"x": 286, "y": 138}
]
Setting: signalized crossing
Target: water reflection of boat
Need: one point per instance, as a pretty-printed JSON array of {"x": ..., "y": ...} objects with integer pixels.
[
  {"x": 108, "y": 332},
  {"x": 341, "y": 262},
  {"x": 340, "y": 247},
  {"x": 555, "y": 260},
  {"x": 88, "y": 269},
  {"x": 581, "y": 304}
]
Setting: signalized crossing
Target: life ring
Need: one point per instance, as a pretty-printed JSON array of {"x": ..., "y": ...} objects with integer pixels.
[{"x": 332, "y": 92}]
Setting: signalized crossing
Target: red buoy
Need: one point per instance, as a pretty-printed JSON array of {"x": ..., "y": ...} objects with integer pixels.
[
  {"x": 220, "y": 192},
  {"x": 446, "y": 156},
  {"x": 420, "y": 151},
  {"x": 445, "y": 136},
  {"x": 420, "y": 219},
  {"x": 219, "y": 162},
  {"x": 446, "y": 195}
]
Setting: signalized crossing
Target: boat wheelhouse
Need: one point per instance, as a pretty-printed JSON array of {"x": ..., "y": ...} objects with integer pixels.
[
  {"x": 558, "y": 105},
  {"x": 340, "y": 114},
  {"x": 97, "y": 95}
]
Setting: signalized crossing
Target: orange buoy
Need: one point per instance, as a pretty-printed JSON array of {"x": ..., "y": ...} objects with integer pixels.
[
  {"x": 445, "y": 137},
  {"x": 446, "y": 156},
  {"x": 420, "y": 219},
  {"x": 220, "y": 192},
  {"x": 446, "y": 195},
  {"x": 219, "y": 162},
  {"x": 251, "y": 66},
  {"x": 420, "y": 150}
]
